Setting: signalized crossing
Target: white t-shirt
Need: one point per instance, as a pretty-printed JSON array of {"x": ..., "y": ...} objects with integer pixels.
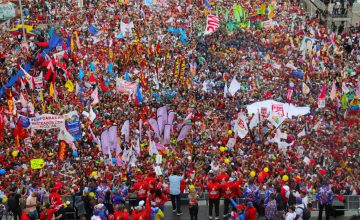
[
  {"x": 299, "y": 210},
  {"x": 290, "y": 216},
  {"x": 95, "y": 217}
]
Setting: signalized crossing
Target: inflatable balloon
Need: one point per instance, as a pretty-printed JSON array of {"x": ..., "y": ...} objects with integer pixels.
[
  {"x": 222, "y": 149},
  {"x": 75, "y": 154},
  {"x": 266, "y": 169},
  {"x": 15, "y": 153},
  {"x": 285, "y": 178},
  {"x": 227, "y": 160},
  {"x": 93, "y": 173},
  {"x": 252, "y": 173},
  {"x": 113, "y": 160},
  {"x": 92, "y": 194},
  {"x": 229, "y": 131},
  {"x": 2, "y": 171},
  {"x": 4, "y": 200},
  {"x": 291, "y": 85}
]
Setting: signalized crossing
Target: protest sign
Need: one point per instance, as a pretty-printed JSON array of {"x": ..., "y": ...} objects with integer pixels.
[
  {"x": 36, "y": 164},
  {"x": 47, "y": 121},
  {"x": 212, "y": 24}
]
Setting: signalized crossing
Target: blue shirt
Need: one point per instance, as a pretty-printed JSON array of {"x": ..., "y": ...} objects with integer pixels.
[
  {"x": 175, "y": 184},
  {"x": 324, "y": 195},
  {"x": 252, "y": 193}
]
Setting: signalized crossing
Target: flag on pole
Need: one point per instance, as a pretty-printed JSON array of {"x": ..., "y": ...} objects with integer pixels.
[
  {"x": 95, "y": 96},
  {"x": 333, "y": 91}
]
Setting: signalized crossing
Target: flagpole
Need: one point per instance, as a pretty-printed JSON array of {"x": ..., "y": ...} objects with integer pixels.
[{"x": 22, "y": 20}]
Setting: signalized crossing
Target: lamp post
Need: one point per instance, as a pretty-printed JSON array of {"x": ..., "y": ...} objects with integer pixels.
[{"x": 22, "y": 20}]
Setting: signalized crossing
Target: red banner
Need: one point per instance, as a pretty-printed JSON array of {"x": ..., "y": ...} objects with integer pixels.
[{"x": 62, "y": 150}]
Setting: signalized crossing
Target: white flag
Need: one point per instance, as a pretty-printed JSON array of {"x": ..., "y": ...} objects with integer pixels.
[
  {"x": 276, "y": 119},
  {"x": 92, "y": 114},
  {"x": 302, "y": 133},
  {"x": 212, "y": 24},
  {"x": 95, "y": 96},
  {"x": 77, "y": 88},
  {"x": 344, "y": 88},
  {"x": 305, "y": 89},
  {"x": 234, "y": 87},
  {"x": 225, "y": 90},
  {"x": 240, "y": 126},
  {"x": 333, "y": 91},
  {"x": 254, "y": 121}
]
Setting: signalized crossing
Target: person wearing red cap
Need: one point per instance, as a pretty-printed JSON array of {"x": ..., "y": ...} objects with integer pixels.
[{"x": 214, "y": 196}]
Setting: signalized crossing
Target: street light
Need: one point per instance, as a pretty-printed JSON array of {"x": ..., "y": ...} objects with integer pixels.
[{"x": 22, "y": 20}]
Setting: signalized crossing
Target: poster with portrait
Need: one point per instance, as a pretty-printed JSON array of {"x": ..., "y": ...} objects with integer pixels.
[{"x": 307, "y": 44}]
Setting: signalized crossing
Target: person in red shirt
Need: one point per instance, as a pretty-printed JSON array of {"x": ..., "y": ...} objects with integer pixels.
[
  {"x": 55, "y": 198},
  {"x": 48, "y": 213},
  {"x": 121, "y": 213},
  {"x": 230, "y": 190},
  {"x": 214, "y": 197},
  {"x": 250, "y": 213},
  {"x": 141, "y": 190},
  {"x": 159, "y": 198}
]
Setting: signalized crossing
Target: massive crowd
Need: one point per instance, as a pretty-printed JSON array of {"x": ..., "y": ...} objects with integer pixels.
[{"x": 119, "y": 66}]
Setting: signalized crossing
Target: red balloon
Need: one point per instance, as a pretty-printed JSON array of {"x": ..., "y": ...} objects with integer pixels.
[{"x": 323, "y": 172}]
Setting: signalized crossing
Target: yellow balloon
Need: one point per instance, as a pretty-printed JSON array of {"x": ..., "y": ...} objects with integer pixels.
[
  {"x": 313, "y": 190},
  {"x": 227, "y": 160},
  {"x": 285, "y": 178},
  {"x": 222, "y": 149},
  {"x": 92, "y": 194},
  {"x": 93, "y": 173},
  {"x": 266, "y": 169},
  {"x": 15, "y": 153},
  {"x": 229, "y": 131},
  {"x": 252, "y": 173},
  {"x": 4, "y": 200}
]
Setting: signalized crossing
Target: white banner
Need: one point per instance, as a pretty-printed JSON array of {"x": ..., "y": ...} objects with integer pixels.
[
  {"x": 38, "y": 81},
  {"x": 212, "y": 24},
  {"x": 47, "y": 121}
]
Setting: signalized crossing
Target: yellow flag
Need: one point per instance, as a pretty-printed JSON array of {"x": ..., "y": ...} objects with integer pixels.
[
  {"x": 72, "y": 44},
  {"x": 111, "y": 54},
  {"x": 41, "y": 96},
  {"x": 51, "y": 90},
  {"x": 69, "y": 85}
]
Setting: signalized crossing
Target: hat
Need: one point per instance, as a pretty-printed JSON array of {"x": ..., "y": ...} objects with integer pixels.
[{"x": 299, "y": 200}]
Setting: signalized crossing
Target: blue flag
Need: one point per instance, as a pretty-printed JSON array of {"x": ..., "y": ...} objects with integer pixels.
[
  {"x": 120, "y": 36},
  {"x": 81, "y": 74},
  {"x": 110, "y": 68},
  {"x": 2, "y": 91},
  {"x": 92, "y": 29},
  {"x": 92, "y": 67},
  {"x": 139, "y": 95},
  {"x": 207, "y": 4},
  {"x": 127, "y": 76}
]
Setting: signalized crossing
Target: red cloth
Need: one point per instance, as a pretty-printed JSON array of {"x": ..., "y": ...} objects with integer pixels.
[
  {"x": 122, "y": 215},
  {"x": 250, "y": 213},
  {"x": 47, "y": 214},
  {"x": 24, "y": 216},
  {"x": 55, "y": 199},
  {"x": 141, "y": 189},
  {"x": 230, "y": 190},
  {"x": 223, "y": 178},
  {"x": 214, "y": 190}
]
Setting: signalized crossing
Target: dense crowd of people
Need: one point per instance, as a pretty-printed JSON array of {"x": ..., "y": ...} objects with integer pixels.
[{"x": 119, "y": 66}]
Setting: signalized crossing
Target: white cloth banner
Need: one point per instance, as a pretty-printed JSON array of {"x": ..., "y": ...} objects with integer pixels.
[
  {"x": 240, "y": 126},
  {"x": 123, "y": 86},
  {"x": 47, "y": 121},
  {"x": 276, "y": 119},
  {"x": 212, "y": 24},
  {"x": 286, "y": 110},
  {"x": 234, "y": 87}
]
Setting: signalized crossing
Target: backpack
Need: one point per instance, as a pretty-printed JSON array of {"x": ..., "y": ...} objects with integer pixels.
[
  {"x": 306, "y": 215},
  {"x": 292, "y": 199}
]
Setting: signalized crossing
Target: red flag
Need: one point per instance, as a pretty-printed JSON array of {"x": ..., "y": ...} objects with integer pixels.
[
  {"x": 20, "y": 131},
  {"x": 143, "y": 82},
  {"x": 92, "y": 79},
  {"x": 323, "y": 92},
  {"x": 102, "y": 85},
  {"x": 62, "y": 150}
]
